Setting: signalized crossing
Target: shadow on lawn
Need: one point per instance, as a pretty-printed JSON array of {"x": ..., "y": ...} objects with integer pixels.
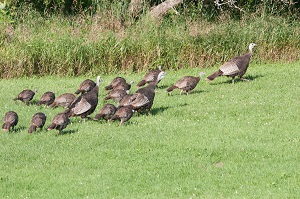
[{"x": 237, "y": 80}]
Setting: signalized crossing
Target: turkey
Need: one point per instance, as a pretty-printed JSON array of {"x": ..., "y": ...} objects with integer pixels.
[
  {"x": 10, "y": 120},
  {"x": 38, "y": 120},
  {"x": 64, "y": 100},
  {"x": 47, "y": 99},
  {"x": 26, "y": 95},
  {"x": 234, "y": 67},
  {"x": 143, "y": 98},
  {"x": 151, "y": 76},
  {"x": 125, "y": 101},
  {"x": 116, "y": 95},
  {"x": 123, "y": 86},
  {"x": 85, "y": 104},
  {"x": 115, "y": 82},
  {"x": 106, "y": 112},
  {"x": 86, "y": 86},
  {"x": 123, "y": 114},
  {"x": 59, "y": 122},
  {"x": 187, "y": 84}
]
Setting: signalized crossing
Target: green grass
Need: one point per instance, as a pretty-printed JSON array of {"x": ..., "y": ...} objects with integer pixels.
[{"x": 221, "y": 141}]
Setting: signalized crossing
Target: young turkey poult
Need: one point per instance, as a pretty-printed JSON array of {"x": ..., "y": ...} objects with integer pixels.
[
  {"x": 85, "y": 104},
  {"x": 143, "y": 98},
  {"x": 151, "y": 76},
  {"x": 234, "y": 67},
  {"x": 116, "y": 95},
  {"x": 123, "y": 114},
  {"x": 187, "y": 84},
  {"x": 47, "y": 98},
  {"x": 38, "y": 120},
  {"x": 59, "y": 122},
  {"x": 115, "y": 82},
  {"x": 64, "y": 100},
  {"x": 85, "y": 86},
  {"x": 10, "y": 121},
  {"x": 123, "y": 86},
  {"x": 26, "y": 95},
  {"x": 106, "y": 112}
]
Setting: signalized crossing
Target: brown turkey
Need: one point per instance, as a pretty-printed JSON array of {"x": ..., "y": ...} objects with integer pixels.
[
  {"x": 59, "y": 122},
  {"x": 151, "y": 76},
  {"x": 85, "y": 104},
  {"x": 116, "y": 95},
  {"x": 10, "y": 121},
  {"x": 187, "y": 84},
  {"x": 123, "y": 86},
  {"x": 26, "y": 95},
  {"x": 38, "y": 120},
  {"x": 64, "y": 100},
  {"x": 47, "y": 98},
  {"x": 125, "y": 101},
  {"x": 123, "y": 114},
  {"x": 143, "y": 98},
  {"x": 106, "y": 112},
  {"x": 115, "y": 82},
  {"x": 85, "y": 86},
  {"x": 234, "y": 67}
]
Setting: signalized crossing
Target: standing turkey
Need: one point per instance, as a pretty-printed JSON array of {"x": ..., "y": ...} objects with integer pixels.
[
  {"x": 187, "y": 84},
  {"x": 64, "y": 100},
  {"x": 106, "y": 112},
  {"x": 38, "y": 120},
  {"x": 85, "y": 104},
  {"x": 10, "y": 120},
  {"x": 26, "y": 95},
  {"x": 234, "y": 67},
  {"x": 116, "y": 95},
  {"x": 123, "y": 86},
  {"x": 59, "y": 122},
  {"x": 115, "y": 82},
  {"x": 151, "y": 76},
  {"x": 85, "y": 86},
  {"x": 47, "y": 98},
  {"x": 143, "y": 98},
  {"x": 123, "y": 114}
]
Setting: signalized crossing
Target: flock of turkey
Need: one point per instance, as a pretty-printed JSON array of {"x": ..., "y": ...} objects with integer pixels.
[{"x": 85, "y": 99}]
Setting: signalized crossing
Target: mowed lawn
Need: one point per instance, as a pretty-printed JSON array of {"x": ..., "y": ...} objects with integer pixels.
[{"x": 221, "y": 141}]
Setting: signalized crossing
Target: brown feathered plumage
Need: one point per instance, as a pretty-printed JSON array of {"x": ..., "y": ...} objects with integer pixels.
[
  {"x": 234, "y": 67},
  {"x": 115, "y": 82},
  {"x": 26, "y": 95},
  {"x": 151, "y": 76},
  {"x": 85, "y": 86},
  {"x": 64, "y": 100},
  {"x": 38, "y": 120},
  {"x": 47, "y": 98},
  {"x": 10, "y": 121},
  {"x": 106, "y": 112},
  {"x": 59, "y": 122},
  {"x": 187, "y": 84},
  {"x": 123, "y": 114},
  {"x": 85, "y": 104}
]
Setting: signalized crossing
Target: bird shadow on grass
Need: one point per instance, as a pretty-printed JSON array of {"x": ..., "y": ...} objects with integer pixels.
[
  {"x": 17, "y": 129},
  {"x": 66, "y": 132},
  {"x": 158, "y": 110},
  {"x": 184, "y": 93},
  {"x": 237, "y": 80}
]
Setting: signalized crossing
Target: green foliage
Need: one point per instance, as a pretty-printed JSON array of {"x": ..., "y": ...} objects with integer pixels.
[
  {"x": 221, "y": 141},
  {"x": 110, "y": 41}
]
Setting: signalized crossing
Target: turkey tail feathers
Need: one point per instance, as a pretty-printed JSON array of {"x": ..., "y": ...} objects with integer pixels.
[
  {"x": 170, "y": 89},
  {"x": 214, "y": 75}
]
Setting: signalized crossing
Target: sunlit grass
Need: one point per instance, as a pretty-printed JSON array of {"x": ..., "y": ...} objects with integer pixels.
[{"x": 221, "y": 141}]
